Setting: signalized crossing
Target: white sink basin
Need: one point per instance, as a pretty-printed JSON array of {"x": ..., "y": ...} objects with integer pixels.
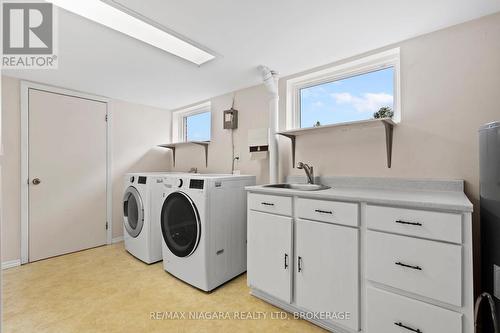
[{"x": 300, "y": 187}]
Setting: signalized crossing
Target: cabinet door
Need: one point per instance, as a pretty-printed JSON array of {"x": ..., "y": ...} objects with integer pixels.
[
  {"x": 327, "y": 266},
  {"x": 269, "y": 254}
]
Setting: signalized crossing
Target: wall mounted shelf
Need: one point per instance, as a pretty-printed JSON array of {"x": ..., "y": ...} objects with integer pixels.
[
  {"x": 173, "y": 147},
  {"x": 387, "y": 122}
]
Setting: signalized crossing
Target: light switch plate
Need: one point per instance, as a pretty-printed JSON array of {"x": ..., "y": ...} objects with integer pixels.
[{"x": 496, "y": 281}]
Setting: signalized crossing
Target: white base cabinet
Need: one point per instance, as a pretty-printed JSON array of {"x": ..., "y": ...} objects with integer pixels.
[
  {"x": 327, "y": 271},
  {"x": 269, "y": 254},
  {"x": 311, "y": 264},
  {"x": 357, "y": 267}
]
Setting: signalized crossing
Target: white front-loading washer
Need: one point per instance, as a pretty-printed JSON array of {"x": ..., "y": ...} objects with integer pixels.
[
  {"x": 203, "y": 226},
  {"x": 141, "y": 224}
]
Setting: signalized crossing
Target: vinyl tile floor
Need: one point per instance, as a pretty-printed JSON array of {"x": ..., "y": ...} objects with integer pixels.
[{"x": 105, "y": 289}]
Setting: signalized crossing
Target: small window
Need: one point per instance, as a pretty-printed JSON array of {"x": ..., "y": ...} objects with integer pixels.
[
  {"x": 361, "y": 90},
  {"x": 192, "y": 124},
  {"x": 197, "y": 127}
]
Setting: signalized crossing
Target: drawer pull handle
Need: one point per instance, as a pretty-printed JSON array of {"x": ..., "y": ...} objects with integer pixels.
[
  {"x": 408, "y": 328},
  {"x": 267, "y": 203},
  {"x": 299, "y": 264},
  {"x": 323, "y": 211},
  {"x": 409, "y": 223},
  {"x": 409, "y": 266},
  {"x": 286, "y": 261}
]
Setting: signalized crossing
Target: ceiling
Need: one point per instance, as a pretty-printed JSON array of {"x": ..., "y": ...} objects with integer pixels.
[{"x": 286, "y": 35}]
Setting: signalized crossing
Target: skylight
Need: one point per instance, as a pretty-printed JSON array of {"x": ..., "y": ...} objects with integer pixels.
[{"x": 118, "y": 20}]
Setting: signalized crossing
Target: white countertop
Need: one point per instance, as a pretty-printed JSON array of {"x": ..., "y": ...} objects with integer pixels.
[{"x": 425, "y": 199}]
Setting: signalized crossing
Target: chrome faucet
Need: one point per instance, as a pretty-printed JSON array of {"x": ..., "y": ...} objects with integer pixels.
[{"x": 309, "y": 172}]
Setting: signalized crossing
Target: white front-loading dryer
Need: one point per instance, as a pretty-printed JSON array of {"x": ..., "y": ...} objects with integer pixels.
[
  {"x": 184, "y": 248},
  {"x": 203, "y": 225},
  {"x": 141, "y": 224}
]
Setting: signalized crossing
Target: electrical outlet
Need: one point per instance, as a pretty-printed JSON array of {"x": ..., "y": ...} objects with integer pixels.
[{"x": 496, "y": 281}]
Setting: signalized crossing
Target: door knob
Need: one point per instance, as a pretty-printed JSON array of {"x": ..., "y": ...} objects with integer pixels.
[{"x": 36, "y": 181}]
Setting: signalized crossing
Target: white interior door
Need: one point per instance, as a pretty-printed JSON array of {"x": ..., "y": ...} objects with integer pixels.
[
  {"x": 269, "y": 254},
  {"x": 327, "y": 277},
  {"x": 67, "y": 174}
]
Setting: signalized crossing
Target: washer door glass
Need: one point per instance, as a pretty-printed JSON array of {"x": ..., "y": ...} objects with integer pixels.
[
  {"x": 180, "y": 224},
  {"x": 133, "y": 212}
]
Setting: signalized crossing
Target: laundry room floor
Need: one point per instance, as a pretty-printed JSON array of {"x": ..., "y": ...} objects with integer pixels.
[{"x": 106, "y": 290}]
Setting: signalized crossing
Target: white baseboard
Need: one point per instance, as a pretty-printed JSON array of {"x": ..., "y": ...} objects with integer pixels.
[
  {"x": 11, "y": 263},
  {"x": 117, "y": 240},
  {"x": 17, "y": 262}
]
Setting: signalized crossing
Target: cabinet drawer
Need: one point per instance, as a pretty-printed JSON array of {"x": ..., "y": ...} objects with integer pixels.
[
  {"x": 420, "y": 223},
  {"x": 328, "y": 211},
  {"x": 270, "y": 203},
  {"x": 391, "y": 313},
  {"x": 428, "y": 268}
]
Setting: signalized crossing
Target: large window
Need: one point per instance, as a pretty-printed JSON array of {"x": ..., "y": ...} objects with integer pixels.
[
  {"x": 192, "y": 124},
  {"x": 360, "y": 90}
]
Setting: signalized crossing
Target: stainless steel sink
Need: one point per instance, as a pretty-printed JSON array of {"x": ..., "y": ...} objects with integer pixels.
[{"x": 300, "y": 187}]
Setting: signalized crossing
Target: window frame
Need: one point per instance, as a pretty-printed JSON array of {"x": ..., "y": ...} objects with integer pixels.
[
  {"x": 179, "y": 129},
  {"x": 375, "y": 62}
]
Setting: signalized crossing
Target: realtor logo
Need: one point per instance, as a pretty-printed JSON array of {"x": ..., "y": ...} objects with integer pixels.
[{"x": 28, "y": 35}]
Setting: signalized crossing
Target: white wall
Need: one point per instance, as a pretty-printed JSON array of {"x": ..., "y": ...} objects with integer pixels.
[
  {"x": 253, "y": 106},
  {"x": 136, "y": 130},
  {"x": 11, "y": 169}
]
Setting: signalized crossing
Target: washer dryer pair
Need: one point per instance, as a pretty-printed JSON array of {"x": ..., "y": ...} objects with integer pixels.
[
  {"x": 203, "y": 227},
  {"x": 141, "y": 227}
]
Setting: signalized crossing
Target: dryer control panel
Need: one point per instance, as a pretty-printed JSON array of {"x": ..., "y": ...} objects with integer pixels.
[
  {"x": 196, "y": 183},
  {"x": 184, "y": 183}
]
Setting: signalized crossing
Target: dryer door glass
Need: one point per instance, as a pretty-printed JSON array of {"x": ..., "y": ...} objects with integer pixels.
[
  {"x": 180, "y": 224},
  {"x": 133, "y": 212}
]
